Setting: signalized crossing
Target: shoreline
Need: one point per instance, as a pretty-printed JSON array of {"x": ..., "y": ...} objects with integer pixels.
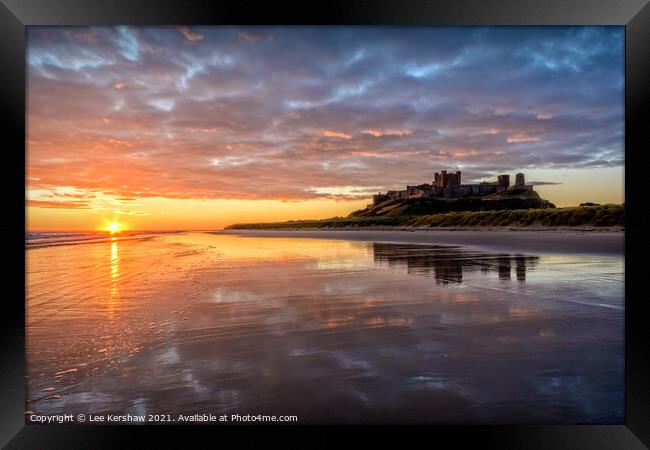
[{"x": 556, "y": 240}]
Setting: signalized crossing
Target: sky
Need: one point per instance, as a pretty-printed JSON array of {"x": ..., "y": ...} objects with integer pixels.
[{"x": 201, "y": 127}]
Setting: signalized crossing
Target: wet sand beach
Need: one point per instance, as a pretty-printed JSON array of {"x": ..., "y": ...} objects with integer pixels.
[
  {"x": 545, "y": 240},
  {"x": 331, "y": 330}
]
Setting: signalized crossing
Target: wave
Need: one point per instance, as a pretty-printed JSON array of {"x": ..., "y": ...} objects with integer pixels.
[
  {"x": 47, "y": 239},
  {"x": 57, "y": 235}
]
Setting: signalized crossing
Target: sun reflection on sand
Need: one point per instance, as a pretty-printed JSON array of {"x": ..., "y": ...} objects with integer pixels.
[{"x": 115, "y": 278}]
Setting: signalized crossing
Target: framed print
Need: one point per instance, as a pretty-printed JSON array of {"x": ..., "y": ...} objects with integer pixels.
[{"x": 245, "y": 220}]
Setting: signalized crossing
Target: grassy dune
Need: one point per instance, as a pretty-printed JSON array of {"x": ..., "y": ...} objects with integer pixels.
[{"x": 596, "y": 215}]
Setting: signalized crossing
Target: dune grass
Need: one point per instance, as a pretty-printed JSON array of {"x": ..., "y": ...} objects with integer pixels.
[
  {"x": 334, "y": 222},
  {"x": 593, "y": 215},
  {"x": 597, "y": 216}
]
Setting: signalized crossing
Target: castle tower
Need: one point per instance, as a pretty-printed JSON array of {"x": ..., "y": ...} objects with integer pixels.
[
  {"x": 503, "y": 181},
  {"x": 446, "y": 180},
  {"x": 519, "y": 180}
]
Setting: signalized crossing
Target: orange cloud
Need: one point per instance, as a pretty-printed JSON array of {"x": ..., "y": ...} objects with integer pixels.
[
  {"x": 190, "y": 35},
  {"x": 74, "y": 204},
  {"x": 71, "y": 195},
  {"x": 335, "y": 134},
  {"x": 461, "y": 153}
]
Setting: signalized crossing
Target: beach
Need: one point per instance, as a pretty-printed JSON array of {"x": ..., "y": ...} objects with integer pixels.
[
  {"x": 352, "y": 327},
  {"x": 570, "y": 240},
  {"x": 330, "y": 225}
]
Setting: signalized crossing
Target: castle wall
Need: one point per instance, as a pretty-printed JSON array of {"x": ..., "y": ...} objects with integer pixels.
[{"x": 449, "y": 185}]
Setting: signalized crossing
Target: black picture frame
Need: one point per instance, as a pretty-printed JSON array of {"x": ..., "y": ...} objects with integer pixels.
[{"x": 15, "y": 15}]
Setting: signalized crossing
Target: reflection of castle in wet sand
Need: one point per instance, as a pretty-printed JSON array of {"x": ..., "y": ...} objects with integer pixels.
[{"x": 446, "y": 263}]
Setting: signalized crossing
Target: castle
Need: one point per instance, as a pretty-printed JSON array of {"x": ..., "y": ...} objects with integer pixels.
[{"x": 448, "y": 185}]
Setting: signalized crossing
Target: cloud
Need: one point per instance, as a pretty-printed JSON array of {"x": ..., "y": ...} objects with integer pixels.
[
  {"x": 543, "y": 183},
  {"x": 82, "y": 195},
  {"x": 519, "y": 139},
  {"x": 58, "y": 204},
  {"x": 190, "y": 36},
  {"x": 335, "y": 134},
  {"x": 251, "y": 37},
  {"x": 380, "y": 133},
  {"x": 301, "y": 112}
]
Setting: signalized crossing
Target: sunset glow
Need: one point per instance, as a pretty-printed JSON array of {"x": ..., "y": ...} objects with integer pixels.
[
  {"x": 112, "y": 226},
  {"x": 202, "y": 127}
]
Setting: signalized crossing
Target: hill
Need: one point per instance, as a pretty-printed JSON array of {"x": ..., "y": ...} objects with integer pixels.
[
  {"x": 584, "y": 215},
  {"x": 508, "y": 200}
]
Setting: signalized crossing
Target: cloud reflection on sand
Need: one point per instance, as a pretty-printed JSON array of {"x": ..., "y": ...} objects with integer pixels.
[{"x": 331, "y": 331}]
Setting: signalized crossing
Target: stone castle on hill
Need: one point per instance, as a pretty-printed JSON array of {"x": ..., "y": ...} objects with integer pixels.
[{"x": 448, "y": 185}]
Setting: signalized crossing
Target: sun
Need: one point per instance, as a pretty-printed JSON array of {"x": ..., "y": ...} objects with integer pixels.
[{"x": 113, "y": 227}]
